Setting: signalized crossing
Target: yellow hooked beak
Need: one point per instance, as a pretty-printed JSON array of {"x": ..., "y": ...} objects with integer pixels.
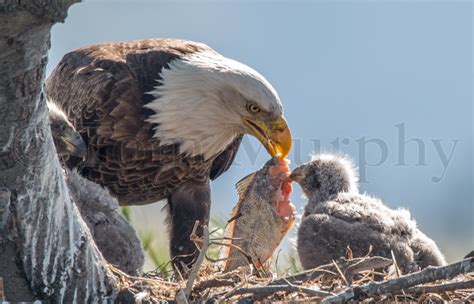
[{"x": 274, "y": 135}]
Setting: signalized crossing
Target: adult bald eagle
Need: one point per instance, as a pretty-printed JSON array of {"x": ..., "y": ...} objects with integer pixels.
[{"x": 163, "y": 117}]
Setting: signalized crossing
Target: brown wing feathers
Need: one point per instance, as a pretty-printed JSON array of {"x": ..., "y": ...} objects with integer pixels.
[{"x": 102, "y": 89}]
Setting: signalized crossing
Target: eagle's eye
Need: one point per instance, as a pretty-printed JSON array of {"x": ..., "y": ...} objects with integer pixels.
[{"x": 253, "y": 108}]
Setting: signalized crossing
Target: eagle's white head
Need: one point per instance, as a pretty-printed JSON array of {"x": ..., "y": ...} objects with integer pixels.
[{"x": 204, "y": 100}]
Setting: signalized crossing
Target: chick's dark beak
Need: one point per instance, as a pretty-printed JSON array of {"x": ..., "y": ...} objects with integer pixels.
[
  {"x": 298, "y": 175},
  {"x": 75, "y": 145}
]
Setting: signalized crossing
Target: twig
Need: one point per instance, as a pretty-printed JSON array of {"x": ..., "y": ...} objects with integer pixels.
[
  {"x": 225, "y": 279},
  {"x": 2, "y": 291},
  {"x": 304, "y": 276},
  {"x": 270, "y": 289},
  {"x": 224, "y": 238},
  {"x": 364, "y": 264},
  {"x": 240, "y": 250},
  {"x": 200, "y": 259},
  {"x": 349, "y": 253},
  {"x": 120, "y": 274},
  {"x": 247, "y": 256},
  {"x": 395, "y": 264},
  {"x": 339, "y": 271},
  {"x": 213, "y": 283},
  {"x": 351, "y": 267},
  {"x": 441, "y": 287},
  {"x": 181, "y": 297},
  {"x": 429, "y": 274},
  {"x": 215, "y": 261},
  {"x": 308, "y": 291},
  {"x": 238, "y": 286}
]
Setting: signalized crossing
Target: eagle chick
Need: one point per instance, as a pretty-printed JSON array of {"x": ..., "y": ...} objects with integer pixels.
[
  {"x": 113, "y": 235},
  {"x": 67, "y": 140},
  {"x": 337, "y": 216}
]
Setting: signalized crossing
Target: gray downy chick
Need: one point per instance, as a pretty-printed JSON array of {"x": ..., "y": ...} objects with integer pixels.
[
  {"x": 67, "y": 140},
  {"x": 113, "y": 234},
  {"x": 337, "y": 216}
]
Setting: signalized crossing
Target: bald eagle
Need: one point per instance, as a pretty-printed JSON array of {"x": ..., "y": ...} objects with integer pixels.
[{"x": 163, "y": 117}]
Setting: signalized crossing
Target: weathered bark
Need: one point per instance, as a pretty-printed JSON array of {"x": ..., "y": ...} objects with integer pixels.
[{"x": 55, "y": 251}]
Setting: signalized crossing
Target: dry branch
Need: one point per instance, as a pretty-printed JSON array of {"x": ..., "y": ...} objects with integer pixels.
[
  {"x": 230, "y": 278},
  {"x": 2, "y": 292},
  {"x": 184, "y": 293},
  {"x": 348, "y": 267},
  {"x": 213, "y": 283},
  {"x": 439, "y": 288},
  {"x": 267, "y": 290},
  {"x": 429, "y": 274}
]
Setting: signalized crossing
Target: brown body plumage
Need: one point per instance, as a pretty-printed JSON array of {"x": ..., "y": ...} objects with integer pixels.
[
  {"x": 161, "y": 118},
  {"x": 95, "y": 86}
]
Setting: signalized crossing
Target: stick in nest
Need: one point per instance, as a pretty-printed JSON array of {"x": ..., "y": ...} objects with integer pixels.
[
  {"x": 349, "y": 267},
  {"x": 183, "y": 294},
  {"x": 2, "y": 292},
  {"x": 224, "y": 279},
  {"x": 339, "y": 271},
  {"x": 270, "y": 289},
  {"x": 439, "y": 288},
  {"x": 429, "y": 274}
]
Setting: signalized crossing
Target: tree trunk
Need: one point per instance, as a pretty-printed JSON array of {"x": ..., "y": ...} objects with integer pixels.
[{"x": 54, "y": 249}]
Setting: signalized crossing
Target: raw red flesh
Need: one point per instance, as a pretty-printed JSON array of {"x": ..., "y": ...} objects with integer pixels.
[
  {"x": 286, "y": 188},
  {"x": 281, "y": 167},
  {"x": 284, "y": 207}
]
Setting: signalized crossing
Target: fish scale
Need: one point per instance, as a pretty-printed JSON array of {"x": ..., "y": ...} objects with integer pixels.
[{"x": 257, "y": 224}]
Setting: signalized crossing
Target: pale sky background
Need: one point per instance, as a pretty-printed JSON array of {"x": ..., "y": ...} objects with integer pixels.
[{"x": 343, "y": 69}]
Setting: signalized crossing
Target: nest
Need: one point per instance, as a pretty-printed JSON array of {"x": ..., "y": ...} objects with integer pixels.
[{"x": 365, "y": 279}]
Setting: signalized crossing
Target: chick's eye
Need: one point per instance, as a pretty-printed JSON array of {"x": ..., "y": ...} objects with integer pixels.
[{"x": 253, "y": 108}]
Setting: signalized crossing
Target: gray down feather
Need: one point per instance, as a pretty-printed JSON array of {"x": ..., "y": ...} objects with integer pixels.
[
  {"x": 339, "y": 216},
  {"x": 114, "y": 236}
]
